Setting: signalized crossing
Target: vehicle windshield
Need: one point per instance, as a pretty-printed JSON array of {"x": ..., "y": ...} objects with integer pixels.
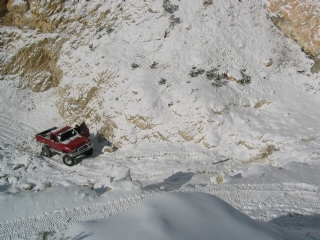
[{"x": 67, "y": 134}]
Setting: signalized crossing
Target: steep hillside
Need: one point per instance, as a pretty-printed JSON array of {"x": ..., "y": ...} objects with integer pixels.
[
  {"x": 219, "y": 97},
  {"x": 218, "y": 75}
]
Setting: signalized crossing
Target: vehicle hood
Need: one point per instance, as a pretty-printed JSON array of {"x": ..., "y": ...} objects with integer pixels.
[{"x": 76, "y": 142}]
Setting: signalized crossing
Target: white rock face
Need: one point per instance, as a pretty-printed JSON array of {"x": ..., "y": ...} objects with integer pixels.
[
  {"x": 26, "y": 186},
  {"x": 107, "y": 149},
  {"x": 13, "y": 179},
  {"x": 267, "y": 62}
]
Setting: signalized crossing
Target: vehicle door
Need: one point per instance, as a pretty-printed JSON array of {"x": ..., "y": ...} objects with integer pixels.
[
  {"x": 84, "y": 130},
  {"x": 54, "y": 143}
]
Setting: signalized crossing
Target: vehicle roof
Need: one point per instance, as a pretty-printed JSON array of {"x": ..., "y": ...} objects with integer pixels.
[{"x": 60, "y": 130}]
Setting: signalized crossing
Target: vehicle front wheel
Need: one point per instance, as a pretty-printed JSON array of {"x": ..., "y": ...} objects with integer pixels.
[
  {"x": 89, "y": 152},
  {"x": 67, "y": 160},
  {"x": 46, "y": 151}
]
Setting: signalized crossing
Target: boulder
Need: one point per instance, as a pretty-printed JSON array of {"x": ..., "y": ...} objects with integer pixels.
[{"x": 18, "y": 6}]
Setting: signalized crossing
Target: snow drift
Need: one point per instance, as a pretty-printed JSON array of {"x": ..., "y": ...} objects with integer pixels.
[{"x": 180, "y": 216}]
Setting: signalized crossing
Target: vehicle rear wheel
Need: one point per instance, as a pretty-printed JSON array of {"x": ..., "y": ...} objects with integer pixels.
[
  {"x": 46, "y": 151},
  {"x": 67, "y": 160},
  {"x": 89, "y": 152}
]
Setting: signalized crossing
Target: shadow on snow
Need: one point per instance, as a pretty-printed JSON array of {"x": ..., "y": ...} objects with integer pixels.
[{"x": 171, "y": 183}]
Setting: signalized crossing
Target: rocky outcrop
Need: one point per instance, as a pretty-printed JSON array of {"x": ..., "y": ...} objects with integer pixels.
[
  {"x": 75, "y": 107},
  {"x": 34, "y": 60},
  {"x": 316, "y": 67},
  {"x": 36, "y": 63},
  {"x": 32, "y": 14},
  {"x": 16, "y": 7},
  {"x": 300, "y": 21}
]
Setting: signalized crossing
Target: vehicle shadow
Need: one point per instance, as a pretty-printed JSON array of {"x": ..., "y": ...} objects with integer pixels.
[
  {"x": 81, "y": 158},
  {"x": 100, "y": 143},
  {"x": 171, "y": 183},
  {"x": 5, "y": 187},
  {"x": 98, "y": 147}
]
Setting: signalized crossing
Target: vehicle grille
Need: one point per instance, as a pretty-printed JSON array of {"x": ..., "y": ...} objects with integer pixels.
[{"x": 82, "y": 149}]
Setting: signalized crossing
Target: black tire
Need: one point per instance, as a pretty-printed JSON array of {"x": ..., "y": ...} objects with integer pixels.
[
  {"x": 46, "y": 151},
  {"x": 67, "y": 160},
  {"x": 89, "y": 152}
]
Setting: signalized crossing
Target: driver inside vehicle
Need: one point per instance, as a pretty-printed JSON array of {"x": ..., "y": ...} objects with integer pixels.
[{"x": 77, "y": 128}]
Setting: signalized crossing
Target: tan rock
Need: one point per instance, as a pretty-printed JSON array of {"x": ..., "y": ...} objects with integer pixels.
[
  {"x": 206, "y": 144},
  {"x": 300, "y": 21},
  {"x": 117, "y": 145},
  {"x": 17, "y": 166},
  {"x": 107, "y": 131},
  {"x": 216, "y": 178},
  {"x": 107, "y": 149},
  {"x": 316, "y": 67},
  {"x": 234, "y": 75},
  {"x": 261, "y": 103},
  {"x": 158, "y": 135},
  {"x": 17, "y": 6},
  {"x": 37, "y": 64},
  {"x": 27, "y": 186},
  {"x": 140, "y": 121},
  {"x": 267, "y": 62},
  {"x": 185, "y": 136}
]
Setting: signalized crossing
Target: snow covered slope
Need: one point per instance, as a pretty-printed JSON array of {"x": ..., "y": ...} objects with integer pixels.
[
  {"x": 180, "y": 97},
  {"x": 180, "y": 216},
  {"x": 93, "y": 45}
]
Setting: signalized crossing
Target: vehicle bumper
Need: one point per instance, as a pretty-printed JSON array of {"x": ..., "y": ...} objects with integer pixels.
[{"x": 81, "y": 150}]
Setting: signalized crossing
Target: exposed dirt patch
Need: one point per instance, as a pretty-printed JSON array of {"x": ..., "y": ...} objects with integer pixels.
[
  {"x": 308, "y": 139},
  {"x": 264, "y": 153},
  {"x": 140, "y": 121},
  {"x": 261, "y": 103},
  {"x": 107, "y": 131},
  {"x": 160, "y": 136},
  {"x": 244, "y": 143},
  {"x": 185, "y": 136}
]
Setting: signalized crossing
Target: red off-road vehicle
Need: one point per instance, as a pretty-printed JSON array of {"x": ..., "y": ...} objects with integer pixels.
[{"x": 67, "y": 141}]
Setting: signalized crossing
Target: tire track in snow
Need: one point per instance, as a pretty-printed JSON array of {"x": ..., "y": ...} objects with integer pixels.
[
  {"x": 21, "y": 135},
  {"x": 24, "y": 127},
  {"x": 285, "y": 198},
  {"x": 58, "y": 165},
  {"x": 62, "y": 219},
  {"x": 17, "y": 133},
  {"x": 4, "y": 138},
  {"x": 164, "y": 156},
  {"x": 264, "y": 198}
]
